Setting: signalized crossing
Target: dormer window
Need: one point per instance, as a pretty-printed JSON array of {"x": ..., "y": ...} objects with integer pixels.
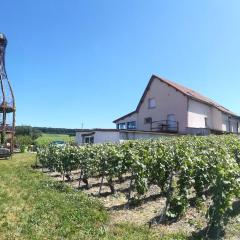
[{"x": 151, "y": 103}]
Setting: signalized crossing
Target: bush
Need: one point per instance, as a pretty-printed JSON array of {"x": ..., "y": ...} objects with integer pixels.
[{"x": 23, "y": 142}]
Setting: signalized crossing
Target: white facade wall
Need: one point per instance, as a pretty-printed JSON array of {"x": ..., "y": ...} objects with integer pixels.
[
  {"x": 104, "y": 137},
  {"x": 197, "y": 112},
  {"x": 168, "y": 101},
  {"x": 116, "y": 137},
  {"x": 99, "y": 136},
  {"x": 216, "y": 119},
  {"x": 225, "y": 122},
  {"x": 234, "y": 125},
  {"x": 231, "y": 124},
  {"x": 78, "y": 138}
]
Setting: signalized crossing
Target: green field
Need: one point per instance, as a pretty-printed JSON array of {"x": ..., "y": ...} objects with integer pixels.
[
  {"x": 45, "y": 139},
  {"x": 32, "y": 206}
]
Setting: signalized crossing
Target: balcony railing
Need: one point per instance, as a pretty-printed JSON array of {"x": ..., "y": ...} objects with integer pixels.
[{"x": 165, "y": 126}]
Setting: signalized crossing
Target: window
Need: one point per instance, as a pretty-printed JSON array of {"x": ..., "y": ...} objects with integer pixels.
[
  {"x": 151, "y": 103},
  {"x": 206, "y": 122},
  {"x": 89, "y": 139},
  {"x": 147, "y": 120},
  {"x": 131, "y": 125},
  {"x": 121, "y": 126}
]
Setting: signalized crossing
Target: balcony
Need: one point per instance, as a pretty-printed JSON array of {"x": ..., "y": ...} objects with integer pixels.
[{"x": 167, "y": 126}]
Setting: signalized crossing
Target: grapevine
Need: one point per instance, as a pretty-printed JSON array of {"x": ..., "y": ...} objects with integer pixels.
[{"x": 187, "y": 169}]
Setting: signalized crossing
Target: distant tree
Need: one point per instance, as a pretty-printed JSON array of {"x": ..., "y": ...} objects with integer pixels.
[
  {"x": 28, "y": 131},
  {"x": 68, "y": 131}
]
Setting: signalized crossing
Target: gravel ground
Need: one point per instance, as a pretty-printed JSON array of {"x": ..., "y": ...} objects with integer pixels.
[
  {"x": 149, "y": 207},
  {"x": 146, "y": 211}
]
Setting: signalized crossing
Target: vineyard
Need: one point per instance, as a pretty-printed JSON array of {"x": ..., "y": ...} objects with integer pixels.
[{"x": 203, "y": 172}]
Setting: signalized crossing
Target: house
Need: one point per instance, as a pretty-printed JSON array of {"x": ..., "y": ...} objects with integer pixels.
[
  {"x": 98, "y": 135},
  {"x": 167, "y": 107}
]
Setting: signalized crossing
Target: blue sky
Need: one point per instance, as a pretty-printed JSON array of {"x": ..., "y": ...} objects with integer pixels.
[{"x": 88, "y": 61}]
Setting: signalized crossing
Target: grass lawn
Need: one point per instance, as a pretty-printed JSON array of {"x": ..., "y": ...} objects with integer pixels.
[
  {"x": 32, "y": 206},
  {"x": 48, "y": 138}
]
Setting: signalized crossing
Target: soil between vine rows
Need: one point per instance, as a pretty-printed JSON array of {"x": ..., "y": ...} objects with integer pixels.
[{"x": 146, "y": 211}]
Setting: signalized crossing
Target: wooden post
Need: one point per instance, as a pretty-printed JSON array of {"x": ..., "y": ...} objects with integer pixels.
[
  {"x": 103, "y": 173},
  {"x": 130, "y": 188},
  {"x": 168, "y": 196},
  {"x": 100, "y": 188},
  {"x": 80, "y": 178}
]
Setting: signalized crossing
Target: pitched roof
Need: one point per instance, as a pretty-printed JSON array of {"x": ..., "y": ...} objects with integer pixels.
[
  {"x": 127, "y": 115},
  {"x": 185, "y": 91},
  {"x": 195, "y": 95}
]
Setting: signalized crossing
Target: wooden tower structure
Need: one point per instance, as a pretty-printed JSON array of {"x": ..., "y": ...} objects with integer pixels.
[{"x": 7, "y": 102}]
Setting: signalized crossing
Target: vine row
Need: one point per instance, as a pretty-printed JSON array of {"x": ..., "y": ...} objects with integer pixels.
[{"x": 188, "y": 170}]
